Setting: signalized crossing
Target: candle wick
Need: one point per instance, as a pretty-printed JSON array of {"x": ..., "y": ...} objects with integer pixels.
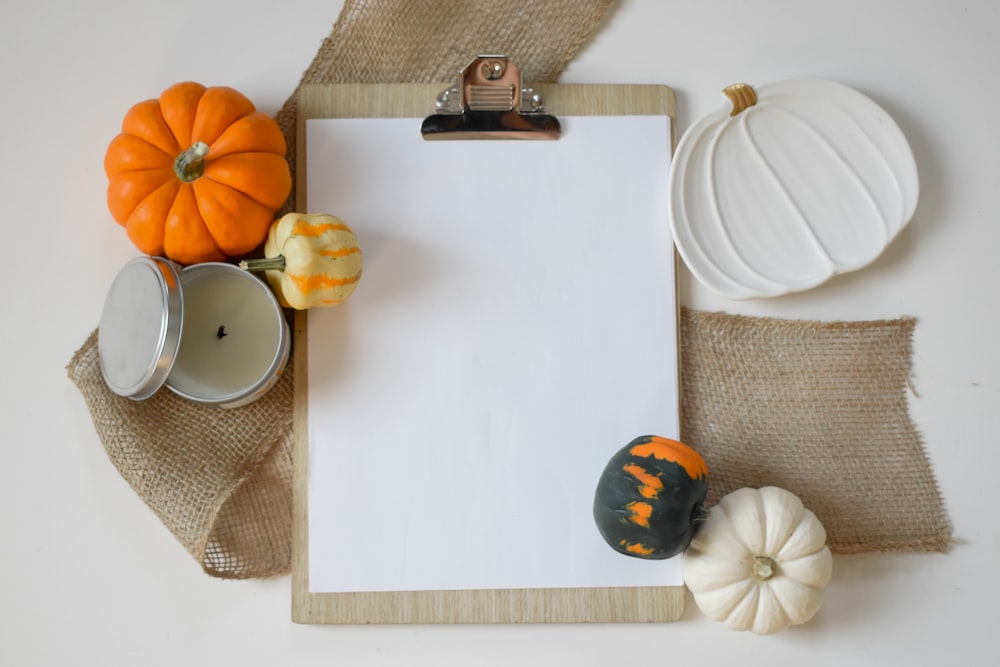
[{"x": 221, "y": 333}]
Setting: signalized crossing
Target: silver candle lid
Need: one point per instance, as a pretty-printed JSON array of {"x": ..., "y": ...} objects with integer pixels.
[{"x": 140, "y": 329}]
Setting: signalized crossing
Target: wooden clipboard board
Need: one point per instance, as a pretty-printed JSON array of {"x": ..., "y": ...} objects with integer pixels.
[{"x": 571, "y": 605}]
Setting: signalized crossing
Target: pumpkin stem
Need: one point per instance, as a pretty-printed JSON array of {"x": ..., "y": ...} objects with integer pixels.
[
  {"x": 742, "y": 96},
  {"x": 764, "y": 568},
  {"x": 190, "y": 164},
  {"x": 264, "y": 264}
]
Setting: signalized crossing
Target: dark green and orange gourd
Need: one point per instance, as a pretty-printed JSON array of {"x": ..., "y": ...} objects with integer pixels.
[{"x": 650, "y": 498}]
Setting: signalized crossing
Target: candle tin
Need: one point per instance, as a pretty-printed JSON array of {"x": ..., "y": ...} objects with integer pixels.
[{"x": 210, "y": 332}]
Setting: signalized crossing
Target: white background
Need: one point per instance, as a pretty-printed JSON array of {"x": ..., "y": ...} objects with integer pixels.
[{"x": 90, "y": 576}]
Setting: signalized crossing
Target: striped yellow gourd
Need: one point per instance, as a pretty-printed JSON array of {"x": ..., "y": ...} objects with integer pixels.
[{"x": 313, "y": 260}]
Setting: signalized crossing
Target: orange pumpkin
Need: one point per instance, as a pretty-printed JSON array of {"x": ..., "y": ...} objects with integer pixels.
[{"x": 197, "y": 174}]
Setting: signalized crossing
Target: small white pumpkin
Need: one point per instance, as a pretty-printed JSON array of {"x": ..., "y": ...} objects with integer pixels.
[{"x": 760, "y": 561}]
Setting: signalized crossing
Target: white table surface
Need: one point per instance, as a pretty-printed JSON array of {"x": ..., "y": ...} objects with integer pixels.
[{"x": 90, "y": 576}]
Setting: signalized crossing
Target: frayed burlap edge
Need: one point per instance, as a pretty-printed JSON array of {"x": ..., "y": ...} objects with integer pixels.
[{"x": 219, "y": 480}]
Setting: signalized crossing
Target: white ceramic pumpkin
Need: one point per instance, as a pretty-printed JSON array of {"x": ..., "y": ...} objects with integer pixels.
[
  {"x": 794, "y": 182},
  {"x": 760, "y": 561}
]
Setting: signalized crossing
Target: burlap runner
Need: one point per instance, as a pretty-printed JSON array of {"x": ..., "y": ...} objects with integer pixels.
[{"x": 819, "y": 409}]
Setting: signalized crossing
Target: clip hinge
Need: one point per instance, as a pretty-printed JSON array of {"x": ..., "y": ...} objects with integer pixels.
[{"x": 489, "y": 102}]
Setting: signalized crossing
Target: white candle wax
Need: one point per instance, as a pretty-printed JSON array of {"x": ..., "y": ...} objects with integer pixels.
[{"x": 234, "y": 339}]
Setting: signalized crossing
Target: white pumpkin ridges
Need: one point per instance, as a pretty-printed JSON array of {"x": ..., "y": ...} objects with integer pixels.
[
  {"x": 722, "y": 603},
  {"x": 717, "y": 537},
  {"x": 742, "y": 614},
  {"x": 808, "y": 537},
  {"x": 745, "y": 509},
  {"x": 798, "y": 601},
  {"x": 770, "y": 613},
  {"x": 714, "y": 572},
  {"x": 814, "y": 569},
  {"x": 784, "y": 515},
  {"x": 719, "y": 570}
]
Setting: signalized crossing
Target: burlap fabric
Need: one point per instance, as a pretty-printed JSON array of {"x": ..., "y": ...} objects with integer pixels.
[
  {"x": 219, "y": 479},
  {"x": 819, "y": 409}
]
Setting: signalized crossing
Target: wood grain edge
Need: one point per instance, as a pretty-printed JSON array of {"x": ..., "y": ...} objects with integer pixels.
[{"x": 513, "y": 606}]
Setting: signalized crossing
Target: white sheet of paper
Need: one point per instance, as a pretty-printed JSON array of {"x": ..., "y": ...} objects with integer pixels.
[{"x": 515, "y": 326}]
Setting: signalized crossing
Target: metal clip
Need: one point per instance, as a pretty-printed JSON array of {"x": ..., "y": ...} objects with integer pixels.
[{"x": 489, "y": 102}]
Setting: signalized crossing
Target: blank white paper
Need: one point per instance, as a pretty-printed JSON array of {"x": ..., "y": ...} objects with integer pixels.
[{"x": 514, "y": 327}]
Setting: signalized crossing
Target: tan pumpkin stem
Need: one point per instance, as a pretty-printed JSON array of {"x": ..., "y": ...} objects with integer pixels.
[
  {"x": 764, "y": 568},
  {"x": 264, "y": 264},
  {"x": 742, "y": 96},
  {"x": 190, "y": 164}
]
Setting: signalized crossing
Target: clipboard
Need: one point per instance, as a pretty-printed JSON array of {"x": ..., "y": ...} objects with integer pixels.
[{"x": 484, "y": 606}]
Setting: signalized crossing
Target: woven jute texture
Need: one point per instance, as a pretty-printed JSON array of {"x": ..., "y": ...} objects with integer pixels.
[
  {"x": 820, "y": 409},
  {"x": 219, "y": 479}
]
